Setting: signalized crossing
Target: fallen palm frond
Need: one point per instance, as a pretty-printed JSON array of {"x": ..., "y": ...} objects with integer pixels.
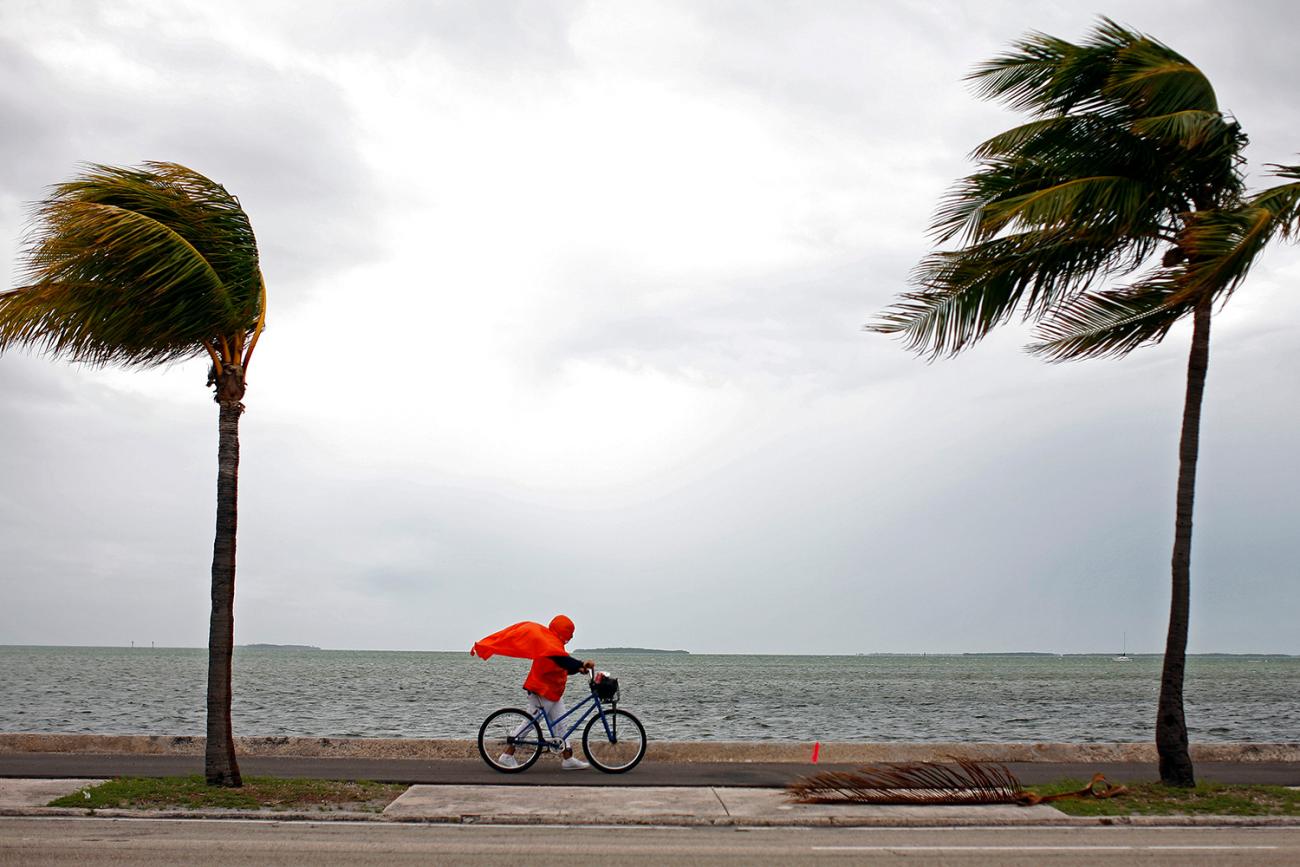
[
  {"x": 962, "y": 782},
  {"x": 1099, "y": 787}
]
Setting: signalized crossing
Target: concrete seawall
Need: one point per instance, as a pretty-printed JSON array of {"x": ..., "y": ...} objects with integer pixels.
[{"x": 663, "y": 751}]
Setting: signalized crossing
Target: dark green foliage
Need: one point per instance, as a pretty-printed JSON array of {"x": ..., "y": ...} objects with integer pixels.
[{"x": 135, "y": 267}]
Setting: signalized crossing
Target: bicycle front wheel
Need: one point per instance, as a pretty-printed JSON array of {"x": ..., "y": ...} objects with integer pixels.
[
  {"x": 614, "y": 745},
  {"x": 510, "y": 727}
]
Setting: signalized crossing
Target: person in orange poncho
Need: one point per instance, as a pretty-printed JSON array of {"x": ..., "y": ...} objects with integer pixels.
[{"x": 552, "y": 667}]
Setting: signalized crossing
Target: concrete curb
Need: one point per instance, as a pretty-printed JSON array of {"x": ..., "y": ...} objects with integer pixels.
[
  {"x": 261, "y": 815},
  {"x": 661, "y": 751},
  {"x": 1063, "y": 821},
  {"x": 873, "y": 822}
]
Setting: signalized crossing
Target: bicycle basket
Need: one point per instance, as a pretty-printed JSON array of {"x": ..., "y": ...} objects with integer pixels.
[{"x": 605, "y": 687}]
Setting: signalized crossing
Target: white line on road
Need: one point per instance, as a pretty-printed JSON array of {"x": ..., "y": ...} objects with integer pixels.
[
  {"x": 904, "y": 848},
  {"x": 1198, "y": 848}
]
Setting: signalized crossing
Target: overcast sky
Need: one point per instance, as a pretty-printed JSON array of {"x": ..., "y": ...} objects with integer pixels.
[{"x": 565, "y": 314}]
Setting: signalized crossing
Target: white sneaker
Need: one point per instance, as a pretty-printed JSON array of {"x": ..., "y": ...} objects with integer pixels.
[
  {"x": 506, "y": 760},
  {"x": 572, "y": 763}
]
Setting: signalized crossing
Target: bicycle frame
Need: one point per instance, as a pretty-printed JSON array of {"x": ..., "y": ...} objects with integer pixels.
[{"x": 542, "y": 716}]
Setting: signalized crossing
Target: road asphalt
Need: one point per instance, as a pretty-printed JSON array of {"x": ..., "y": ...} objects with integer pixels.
[{"x": 91, "y": 842}]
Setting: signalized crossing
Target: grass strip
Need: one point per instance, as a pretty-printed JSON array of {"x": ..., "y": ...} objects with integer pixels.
[
  {"x": 257, "y": 793},
  {"x": 1154, "y": 799}
]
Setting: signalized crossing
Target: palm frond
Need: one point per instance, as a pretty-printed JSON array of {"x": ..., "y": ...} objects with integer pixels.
[
  {"x": 1189, "y": 128},
  {"x": 1111, "y": 322},
  {"x": 916, "y": 783},
  {"x": 135, "y": 266},
  {"x": 1115, "y": 71},
  {"x": 1083, "y": 169},
  {"x": 962, "y": 782},
  {"x": 1047, "y": 76},
  {"x": 1217, "y": 249},
  {"x": 1024, "y": 77},
  {"x": 1023, "y": 195},
  {"x": 1222, "y": 244},
  {"x": 1081, "y": 203},
  {"x": 1283, "y": 201},
  {"x": 1011, "y": 142},
  {"x": 1151, "y": 79},
  {"x": 1197, "y": 152},
  {"x": 963, "y": 295}
]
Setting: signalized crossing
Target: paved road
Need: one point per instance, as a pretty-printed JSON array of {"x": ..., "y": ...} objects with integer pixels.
[
  {"x": 547, "y": 773},
  {"x": 154, "y": 842}
]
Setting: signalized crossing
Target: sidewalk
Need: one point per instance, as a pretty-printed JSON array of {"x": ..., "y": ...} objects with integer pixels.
[
  {"x": 581, "y": 805},
  {"x": 660, "y": 806}
]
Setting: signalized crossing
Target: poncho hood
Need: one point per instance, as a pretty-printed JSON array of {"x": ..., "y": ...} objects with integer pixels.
[{"x": 563, "y": 627}]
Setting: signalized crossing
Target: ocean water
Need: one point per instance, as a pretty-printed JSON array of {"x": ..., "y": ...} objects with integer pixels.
[{"x": 1075, "y": 699}]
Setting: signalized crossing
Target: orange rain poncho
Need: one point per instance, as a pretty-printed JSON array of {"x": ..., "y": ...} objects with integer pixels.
[{"x": 528, "y": 640}]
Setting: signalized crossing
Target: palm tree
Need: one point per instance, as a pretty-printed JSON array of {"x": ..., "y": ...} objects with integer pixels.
[
  {"x": 141, "y": 267},
  {"x": 1126, "y": 170}
]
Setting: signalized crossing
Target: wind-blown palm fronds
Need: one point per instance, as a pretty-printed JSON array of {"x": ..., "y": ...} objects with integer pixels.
[
  {"x": 1126, "y": 140},
  {"x": 144, "y": 266},
  {"x": 1216, "y": 247},
  {"x": 137, "y": 267}
]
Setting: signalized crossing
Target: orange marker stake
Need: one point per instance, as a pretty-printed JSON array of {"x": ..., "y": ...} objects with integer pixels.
[{"x": 817, "y": 748}]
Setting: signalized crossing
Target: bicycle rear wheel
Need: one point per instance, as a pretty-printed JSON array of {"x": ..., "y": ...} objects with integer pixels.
[
  {"x": 510, "y": 727},
  {"x": 616, "y": 744}
]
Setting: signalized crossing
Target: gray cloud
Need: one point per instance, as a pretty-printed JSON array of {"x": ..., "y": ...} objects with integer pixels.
[
  {"x": 795, "y": 326},
  {"x": 278, "y": 138},
  {"x": 503, "y": 38}
]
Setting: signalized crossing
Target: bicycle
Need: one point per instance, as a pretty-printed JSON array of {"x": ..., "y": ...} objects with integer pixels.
[{"x": 614, "y": 740}]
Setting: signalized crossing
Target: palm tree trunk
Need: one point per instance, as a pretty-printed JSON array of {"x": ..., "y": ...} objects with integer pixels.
[
  {"x": 1171, "y": 725},
  {"x": 220, "y": 766}
]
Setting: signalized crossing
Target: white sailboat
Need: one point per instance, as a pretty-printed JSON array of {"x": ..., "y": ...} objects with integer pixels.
[{"x": 1123, "y": 654}]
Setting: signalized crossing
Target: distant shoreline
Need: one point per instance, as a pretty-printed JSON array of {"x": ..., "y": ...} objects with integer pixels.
[{"x": 627, "y": 650}]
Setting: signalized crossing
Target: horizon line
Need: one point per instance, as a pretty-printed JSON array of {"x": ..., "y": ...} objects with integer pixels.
[{"x": 309, "y": 648}]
